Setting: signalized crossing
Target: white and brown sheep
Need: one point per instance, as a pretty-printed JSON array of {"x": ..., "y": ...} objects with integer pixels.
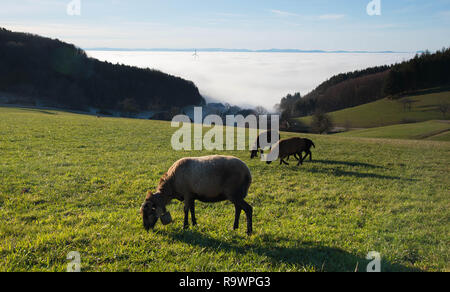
[
  {"x": 207, "y": 179},
  {"x": 265, "y": 139}
]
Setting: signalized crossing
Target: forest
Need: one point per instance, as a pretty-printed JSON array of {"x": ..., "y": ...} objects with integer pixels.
[{"x": 37, "y": 70}]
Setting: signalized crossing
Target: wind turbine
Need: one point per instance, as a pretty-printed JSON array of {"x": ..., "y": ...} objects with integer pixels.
[{"x": 195, "y": 55}]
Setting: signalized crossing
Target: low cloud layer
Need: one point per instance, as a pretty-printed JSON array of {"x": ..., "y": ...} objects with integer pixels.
[{"x": 251, "y": 79}]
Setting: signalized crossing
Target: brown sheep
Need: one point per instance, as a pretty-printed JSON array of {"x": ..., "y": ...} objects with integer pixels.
[
  {"x": 309, "y": 145},
  {"x": 208, "y": 179},
  {"x": 291, "y": 146}
]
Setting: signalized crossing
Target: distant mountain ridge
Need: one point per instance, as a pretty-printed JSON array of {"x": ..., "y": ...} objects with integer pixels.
[{"x": 212, "y": 50}]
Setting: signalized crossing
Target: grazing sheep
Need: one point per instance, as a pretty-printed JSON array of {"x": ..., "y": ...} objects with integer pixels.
[
  {"x": 309, "y": 144},
  {"x": 292, "y": 146},
  {"x": 208, "y": 179},
  {"x": 264, "y": 140}
]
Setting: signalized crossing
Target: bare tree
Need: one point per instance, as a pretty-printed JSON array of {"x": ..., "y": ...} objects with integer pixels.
[
  {"x": 407, "y": 103},
  {"x": 129, "y": 106},
  {"x": 321, "y": 123},
  {"x": 260, "y": 110},
  {"x": 444, "y": 108}
]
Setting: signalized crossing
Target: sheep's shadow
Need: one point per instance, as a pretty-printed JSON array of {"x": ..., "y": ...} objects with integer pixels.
[
  {"x": 344, "y": 173},
  {"x": 339, "y": 172},
  {"x": 344, "y": 163},
  {"x": 309, "y": 255}
]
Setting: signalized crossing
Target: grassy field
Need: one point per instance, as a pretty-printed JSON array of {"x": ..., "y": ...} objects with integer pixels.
[
  {"x": 431, "y": 130},
  {"x": 75, "y": 183},
  {"x": 387, "y": 112}
]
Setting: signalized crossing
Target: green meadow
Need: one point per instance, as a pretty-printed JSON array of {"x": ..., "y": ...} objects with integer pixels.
[
  {"x": 430, "y": 130},
  {"x": 72, "y": 182}
]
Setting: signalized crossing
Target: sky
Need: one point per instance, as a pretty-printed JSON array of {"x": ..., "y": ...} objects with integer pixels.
[{"x": 404, "y": 25}]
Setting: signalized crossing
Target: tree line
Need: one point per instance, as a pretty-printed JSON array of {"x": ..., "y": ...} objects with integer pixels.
[
  {"x": 424, "y": 71},
  {"x": 62, "y": 75}
]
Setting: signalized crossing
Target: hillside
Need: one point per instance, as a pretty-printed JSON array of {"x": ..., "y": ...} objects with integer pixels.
[
  {"x": 385, "y": 112},
  {"x": 351, "y": 89},
  {"x": 75, "y": 183},
  {"x": 40, "y": 71},
  {"x": 430, "y": 130},
  {"x": 339, "y": 92}
]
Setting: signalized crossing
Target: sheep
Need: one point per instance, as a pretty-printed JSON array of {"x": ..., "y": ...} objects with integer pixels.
[
  {"x": 265, "y": 139},
  {"x": 309, "y": 144},
  {"x": 208, "y": 179},
  {"x": 292, "y": 146}
]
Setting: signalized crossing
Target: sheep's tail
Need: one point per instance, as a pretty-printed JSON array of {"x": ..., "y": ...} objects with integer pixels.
[{"x": 247, "y": 183}]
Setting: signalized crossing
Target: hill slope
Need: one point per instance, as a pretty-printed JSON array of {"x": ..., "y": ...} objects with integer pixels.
[
  {"x": 76, "y": 183},
  {"x": 390, "y": 112},
  {"x": 40, "y": 70},
  {"x": 430, "y": 130}
]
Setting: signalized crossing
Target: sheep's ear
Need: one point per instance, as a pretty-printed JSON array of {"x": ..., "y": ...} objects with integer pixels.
[{"x": 149, "y": 195}]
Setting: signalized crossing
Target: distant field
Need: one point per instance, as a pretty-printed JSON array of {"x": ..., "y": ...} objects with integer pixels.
[
  {"x": 431, "y": 130},
  {"x": 387, "y": 112},
  {"x": 75, "y": 183}
]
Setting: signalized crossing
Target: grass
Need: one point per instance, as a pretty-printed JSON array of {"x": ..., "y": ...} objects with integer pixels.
[
  {"x": 75, "y": 183},
  {"x": 387, "y": 112},
  {"x": 431, "y": 130}
]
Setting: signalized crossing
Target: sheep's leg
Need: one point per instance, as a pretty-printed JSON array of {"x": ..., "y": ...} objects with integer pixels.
[
  {"x": 187, "y": 208},
  {"x": 249, "y": 213},
  {"x": 282, "y": 161},
  {"x": 194, "y": 220},
  {"x": 300, "y": 162},
  {"x": 237, "y": 215},
  {"x": 310, "y": 155}
]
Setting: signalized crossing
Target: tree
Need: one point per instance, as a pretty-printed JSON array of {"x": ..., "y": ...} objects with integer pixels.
[
  {"x": 407, "y": 103},
  {"x": 129, "y": 106},
  {"x": 321, "y": 123},
  {"x": 260, "y": 111},
  {"x": 444, "y": 109}
]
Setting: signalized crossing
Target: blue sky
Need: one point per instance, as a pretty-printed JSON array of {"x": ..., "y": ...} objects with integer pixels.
[{"x": 404, "y": 25}]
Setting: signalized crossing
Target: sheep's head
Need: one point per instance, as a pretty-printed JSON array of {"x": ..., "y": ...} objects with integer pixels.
[
  {"x": 254, "y": 154},
  {"x": 154, "y": 209}
]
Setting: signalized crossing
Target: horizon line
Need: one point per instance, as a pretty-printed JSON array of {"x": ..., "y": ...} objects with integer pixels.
[{"x": 223, "y": 50}]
